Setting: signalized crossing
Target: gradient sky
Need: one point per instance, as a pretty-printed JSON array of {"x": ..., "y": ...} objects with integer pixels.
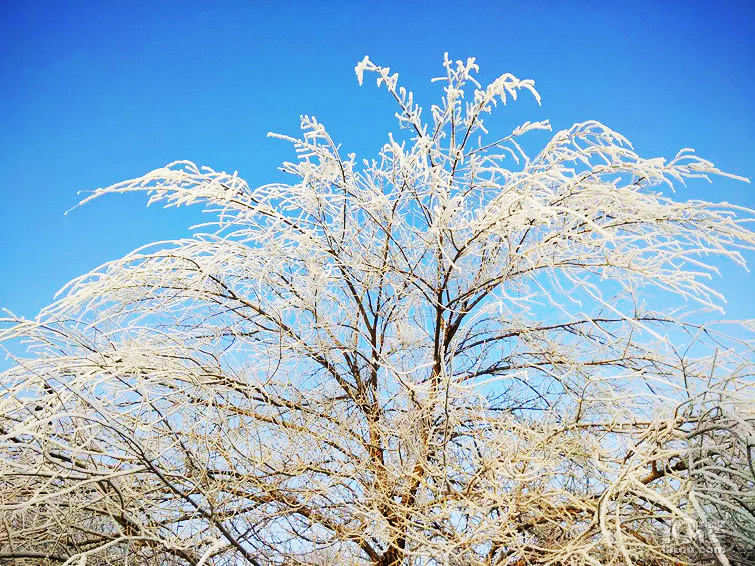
[{"x": 93, "y": 93}]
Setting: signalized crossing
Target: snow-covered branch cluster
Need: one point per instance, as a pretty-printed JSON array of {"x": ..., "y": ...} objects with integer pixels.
[{"x": 454, "y": 353}]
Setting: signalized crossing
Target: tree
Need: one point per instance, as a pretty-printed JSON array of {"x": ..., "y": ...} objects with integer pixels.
[{"x": 451, "y": 354}]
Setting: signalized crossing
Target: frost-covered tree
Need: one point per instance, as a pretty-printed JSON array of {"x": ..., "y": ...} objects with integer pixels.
[{"x": 460, "y": 352}]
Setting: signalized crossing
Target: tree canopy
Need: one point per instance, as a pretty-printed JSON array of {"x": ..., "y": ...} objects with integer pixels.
[{"x": 455, "y": 353}]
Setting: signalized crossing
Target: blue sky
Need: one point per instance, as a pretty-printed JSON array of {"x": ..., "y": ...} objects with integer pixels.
[{"x": 94, "y": 93}]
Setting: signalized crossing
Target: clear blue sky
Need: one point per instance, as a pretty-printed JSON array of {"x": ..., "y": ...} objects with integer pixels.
[{"x": 93, "y": 93}]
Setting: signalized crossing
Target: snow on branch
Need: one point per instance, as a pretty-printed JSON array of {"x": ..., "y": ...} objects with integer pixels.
[{"x": 454, "y": 352}]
